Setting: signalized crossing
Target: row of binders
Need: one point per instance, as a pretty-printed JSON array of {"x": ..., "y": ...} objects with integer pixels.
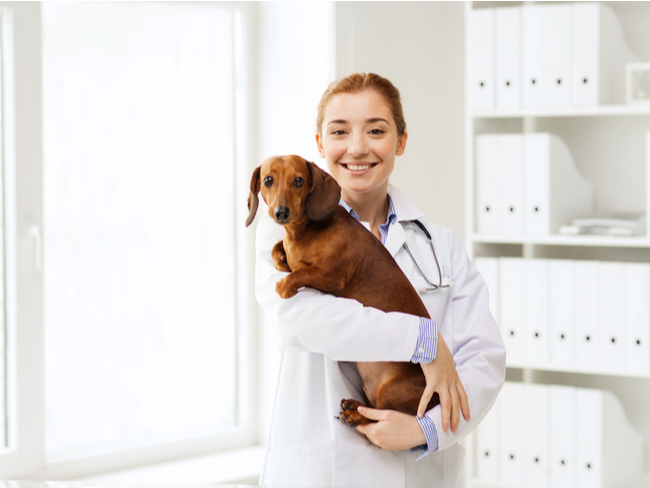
[
  {"x": 527, "y": 184},
  {"x": 543, "y": 436},
  {"x": 587, "y": 314},
  {"x": 546, "y": 55}
]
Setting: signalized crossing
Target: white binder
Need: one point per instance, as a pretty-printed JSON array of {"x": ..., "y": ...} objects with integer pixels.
[
  {"x": 536, "y": 305},
  {"x": 481, "y": 62},
  {"x": 488, "y": 184},
  {"x": 536, "y": 438},
  {"x": 508, "y": 57},
  {"x": 511, "y": 208},
  {"x": 587, "y": 321},
  {"x": 555, "y": 191},
  {"x": 510, "y": 307},
  {"x": 563, "y": 465},
  {"x": 612, "y": 314},
  {"x": 532, "y": 59},
  {"x": 488, "y": 434},
  {"x": 512, "y": 434},
  {"x": 489, "y": 269},
  {"x": 562, "y": 291},
  {"x": 600, "y": 53},
  {"x": 637, "y": 316},
  {"x": 558, "y": 54},
  {"x": 610, "y": 451}
]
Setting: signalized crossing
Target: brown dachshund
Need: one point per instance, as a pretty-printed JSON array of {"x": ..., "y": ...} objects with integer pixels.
[{"x": 327, "y": 249}]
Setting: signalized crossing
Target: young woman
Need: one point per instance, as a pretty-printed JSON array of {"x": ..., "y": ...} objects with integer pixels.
[{"x": 360, "y": 131}]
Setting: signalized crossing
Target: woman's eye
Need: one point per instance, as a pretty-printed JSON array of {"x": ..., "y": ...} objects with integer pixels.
[
  {"x": 338, "y": 132},
  {"x": 268, "y": 181},
  {"x": 298, "y": 182},
  {"x": 376, "y": 132}
]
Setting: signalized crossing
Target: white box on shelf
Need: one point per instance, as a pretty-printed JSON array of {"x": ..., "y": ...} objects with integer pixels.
[
  {"x": 536, "y": 436},
  {"x": 511, "y": 297},
  {"x": 488, "y": 184},
  {"x": 588, "y": 343},
  {"x": 511, "y": 207},
  {"x": 637, "y": 317},
  {"x": 612, "y": 289},
  {"x": 508, "y": 57},
  {"x": 563, "y": 461},
  {"x": 532, "y": 59},
  {"x": 488, "y": 434},
  {"x": 600, "y": 55},
  {"x": 481, "y": 59},
  {"x": 555, "y": 191},
  {"x": 610, "y": 451},
  {"x": 558, "y": 54},
  {"x": 562, "y": 293},
  {"x": 536, "y": 305},
  {"x": 489, "y": 269},
  {"x": 512, "y": 434},
  {"x": 637, "y": 83}
]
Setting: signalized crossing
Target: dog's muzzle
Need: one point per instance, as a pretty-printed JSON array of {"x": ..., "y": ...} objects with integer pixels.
[{"x": 281, "y": 214}]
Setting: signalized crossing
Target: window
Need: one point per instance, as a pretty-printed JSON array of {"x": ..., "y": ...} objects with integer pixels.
[{"x": 142, "y": 324}]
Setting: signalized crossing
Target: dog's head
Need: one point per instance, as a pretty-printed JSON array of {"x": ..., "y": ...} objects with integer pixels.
[{"x": 293, "y": 189}]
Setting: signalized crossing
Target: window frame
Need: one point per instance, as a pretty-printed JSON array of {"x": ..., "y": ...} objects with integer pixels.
[{"x": 26, "y": 456}]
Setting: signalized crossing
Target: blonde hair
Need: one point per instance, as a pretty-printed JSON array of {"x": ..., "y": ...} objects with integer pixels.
[{"x": 359, "y": 82}]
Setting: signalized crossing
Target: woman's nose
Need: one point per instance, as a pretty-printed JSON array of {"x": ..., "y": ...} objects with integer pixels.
[{"x": 358, "y": 146}]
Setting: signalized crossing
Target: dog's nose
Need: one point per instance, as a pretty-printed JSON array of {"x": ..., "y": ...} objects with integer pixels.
[{"x": 281, "y": 213}]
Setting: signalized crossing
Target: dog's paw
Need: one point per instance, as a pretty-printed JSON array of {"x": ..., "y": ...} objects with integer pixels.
[
  {"x": 349, "y": 415},
  {"x": 285, "y": 289}
]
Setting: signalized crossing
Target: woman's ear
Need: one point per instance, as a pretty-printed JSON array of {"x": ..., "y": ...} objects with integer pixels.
[
  {"x": 324, "y": 194},
  {"x": 401, "y": 144},
  {"x": 253, "y": 201},
  {"x": 319, "y": 144}
]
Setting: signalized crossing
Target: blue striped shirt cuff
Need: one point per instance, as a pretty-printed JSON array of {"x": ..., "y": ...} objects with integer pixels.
[
  {"x": 429, "y": 428},
  {"x": 427, "y": 345}
]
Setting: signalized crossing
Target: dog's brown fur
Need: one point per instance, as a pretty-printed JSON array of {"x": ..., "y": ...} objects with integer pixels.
[{"x": 327, "y": 249}]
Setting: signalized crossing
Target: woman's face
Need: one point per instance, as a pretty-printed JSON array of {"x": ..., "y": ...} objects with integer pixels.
[{"x": 359, "y": 141}]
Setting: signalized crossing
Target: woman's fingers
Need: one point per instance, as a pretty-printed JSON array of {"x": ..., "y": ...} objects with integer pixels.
[
  {"x": 455, "y": 409},
  {"x": 445, "y": 406},
  {"x": 426, "y": 396},
  {"x": 464, "y": 403}
]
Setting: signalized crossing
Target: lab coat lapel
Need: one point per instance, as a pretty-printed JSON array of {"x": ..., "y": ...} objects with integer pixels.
[
  {"x": 395, "y": 238},
  {"x": 404, "y": 210}
]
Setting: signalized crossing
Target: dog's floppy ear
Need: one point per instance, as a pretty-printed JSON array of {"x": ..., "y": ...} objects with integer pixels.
[
  {"x": 324, "y": 194},
  {"x": 253, "y": 201}
]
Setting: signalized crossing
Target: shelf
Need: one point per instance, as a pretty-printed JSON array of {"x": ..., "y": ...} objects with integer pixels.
[
  {"x": 579, "y": 370},
  {"x": 600, "y": 111},
  {"x": 561, "y": 240}
]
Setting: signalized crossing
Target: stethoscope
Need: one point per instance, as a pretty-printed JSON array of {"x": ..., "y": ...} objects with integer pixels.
[{"x": 431, "y": 286}]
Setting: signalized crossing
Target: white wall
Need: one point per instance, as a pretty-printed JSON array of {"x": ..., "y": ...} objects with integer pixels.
[{"x": 419, "y": 47}]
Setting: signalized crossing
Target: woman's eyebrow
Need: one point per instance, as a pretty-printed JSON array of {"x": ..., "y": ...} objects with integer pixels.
[
  {"x": 337, "y": 121},
  {"x": 376, "y": 119}
]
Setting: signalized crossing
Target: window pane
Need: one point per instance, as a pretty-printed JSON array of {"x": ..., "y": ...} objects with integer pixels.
[{"x": 138, "y": 242}]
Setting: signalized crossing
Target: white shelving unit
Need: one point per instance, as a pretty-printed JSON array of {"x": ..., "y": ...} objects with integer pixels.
[{"x": 608, "y": 144}]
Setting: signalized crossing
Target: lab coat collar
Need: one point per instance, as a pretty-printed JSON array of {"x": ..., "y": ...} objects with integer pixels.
[{"x": 404, "y": 211}]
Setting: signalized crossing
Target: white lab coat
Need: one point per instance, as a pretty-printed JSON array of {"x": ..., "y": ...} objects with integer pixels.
[{"x": 318, "y": 333}]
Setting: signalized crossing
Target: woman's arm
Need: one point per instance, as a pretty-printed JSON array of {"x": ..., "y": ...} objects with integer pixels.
[{"x": 340, "y": 328}]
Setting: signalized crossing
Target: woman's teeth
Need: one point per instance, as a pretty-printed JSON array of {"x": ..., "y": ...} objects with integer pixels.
[{"x": 358, "y": 167}]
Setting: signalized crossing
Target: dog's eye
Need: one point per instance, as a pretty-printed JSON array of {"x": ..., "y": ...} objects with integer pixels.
[
  {"x": 298, "y": 182},
  {"x": 268, "y": 181}
]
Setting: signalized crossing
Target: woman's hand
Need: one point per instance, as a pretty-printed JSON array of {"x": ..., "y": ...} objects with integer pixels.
[
  {"x": 393, "y": 430},
  {"x": 442, "y": 378}
]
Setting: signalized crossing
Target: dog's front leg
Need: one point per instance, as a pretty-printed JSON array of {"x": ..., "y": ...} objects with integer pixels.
[
  {"x": 313, "y": 277},
  {"x": 280, "y": 257}
]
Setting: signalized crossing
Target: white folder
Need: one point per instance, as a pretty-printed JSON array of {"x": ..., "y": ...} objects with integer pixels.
[
  {"x": 562, "y": 293},
  {"x": 510, "y": 307},
  {"x": 488, "y": 434},
  {"x": 533, "y": 39},
  {"x": 555, "y": 191},
  {"x": 481, "y": 59},
  {"x": 589, "y": 431},
  {"x": 587, "y": 320},
  {"x": 637, "y": 316},
  {"x": 536, "y": 438},
  {"x": 511, "y": 208},
  {"x": 558, "y": 54},
  {"x": 508, "y": 57},
  {"x": 512, "y": 434},
  {"x": 563, "y": 460},
  {"x": 612, "y": 314},
  {"x": 536, "y": 305},
  {"x": 488, "y": 184},
  {"x": 489, "y": 269}
]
